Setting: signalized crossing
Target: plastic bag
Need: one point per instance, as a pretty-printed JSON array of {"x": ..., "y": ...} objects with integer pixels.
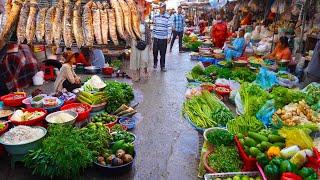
[
  {"x": 266, "y": 112},
  {"x": 287, "y": 82},
  {"x": 234, "y": 85},
  {"x": 239, "y": 106},
  {"x": 38, "y": 78},
  {"x": 266, "y": 79},
  {"x": 296, "y": 136}
]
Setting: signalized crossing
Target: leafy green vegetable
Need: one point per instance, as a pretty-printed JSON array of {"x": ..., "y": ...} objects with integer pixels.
[
  {"x": 312, "y": 96},
  {"x": 225, "y": 159},
  {"x": 118, "y": 93},
  {"x": 222, "y": 115},
  {"x": 212, "y": 69},
  {"x": 243, "y": 75},
  {"x": 219, "y": 137},
  {"x": 199, "y": 110},
  {"x": 245, "y": 123},
  {"x": 284, "y": 96},
  {"x": 253, "y": 98},
  {"x": 224, "y": 73},
  {"x": 62, "y": 153},
  {"x": 116, "y": 64}
]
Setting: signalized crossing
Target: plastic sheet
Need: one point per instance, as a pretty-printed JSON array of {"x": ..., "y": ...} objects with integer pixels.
[{"x": 266, "y": 79}]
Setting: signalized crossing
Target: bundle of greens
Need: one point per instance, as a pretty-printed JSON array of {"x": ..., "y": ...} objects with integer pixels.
[
  {"x": 253, "y": 98},
  {"x": 197, "y": 74},
  {"x": 284, "y": 96},
  {"x": 116, "y": 64},
  {"x": 118, "y": 93},
  {"x": 212, "y": 69},
  {"x": 219, "y": 137},
  {"x": 225, "y": 159},
  {"x": 199, "y": 110},
  {"x": 243, "y": 75},
  {"x": 62, "y": 153},
  {"x": 224, "y": 73},
  {"x": 245, "y": 123}
]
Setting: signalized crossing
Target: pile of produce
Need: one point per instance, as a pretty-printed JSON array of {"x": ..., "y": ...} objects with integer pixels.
[
  {"x": 104, "y": 118},
  {"x": 219, "y": 137},
  {"x": 253, "y": 98},
  {"x": 225, "y": 159},
  {"x": 92, "y": 98},
  {"x": 121, "y": 157},
  {"x": 239, "y": 177},
  {"x": 284, "y": 96},
  {"x": 201, "y": 111},
  {"x": 118, "y": 93},
  {"x": 94, "y": 83},
  {"x": 191, "y": 42},
  {"x": 295, "y": 114},
  {"x": 244, "y": 123},
  {"x": 20, "y": 116},
  {"x": 124, "y": 111},
  {"x": 5, "y": 113},
  {"x": 80, "y": 108},
  {"x": 312, "y": 92},
  {"x": 22, "y": 135},
  {"x": 197, "y": 74},
  {"x": 60, "y": 117},
  {"x": 123, "y": 135},
  {"x": 2, "y": 126},
  {"x": 116, "y": 128}
]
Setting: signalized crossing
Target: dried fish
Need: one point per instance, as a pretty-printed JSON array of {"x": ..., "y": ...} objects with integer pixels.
[
  {"x": 67, "y": 24},
  {"x": 49, "y": 25},
  {"x": 7, "y": 9},
  {"x": 22, "y": 24},
  {"x": 88, "y": 24},
  {"x": 134, "y": 18},
  {"x": 57, "y": 25},
  {"x": 77, "y": 24},
  {"x": 104, "y": 23},
  {"x": 112, "y": 26},
  {"x": 31, "y": 22},
  {"x": 127, "y": 17},
  {"x": 10, "y": 23},
  {"x": 119, "y": 17},
  {"x": 40, "y": 27},
  {"x": 96, "y": 22}
]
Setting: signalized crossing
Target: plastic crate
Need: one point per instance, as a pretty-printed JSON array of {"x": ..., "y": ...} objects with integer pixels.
[
  {"x": 230, "y": 174},
  {"x": 249, "y": 164}
]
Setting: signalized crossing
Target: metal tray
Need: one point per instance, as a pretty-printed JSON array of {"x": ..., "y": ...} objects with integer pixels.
[{"x": 230, "y": 174}]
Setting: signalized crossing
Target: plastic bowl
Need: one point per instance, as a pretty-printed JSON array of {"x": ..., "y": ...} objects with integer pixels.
[
  {"x": 107, "y": 70},
  {"x": 110, "y": 124},
  {"x": 34, "y": 122},
  {"x": 81, "y": 115},
  {"x": 55, "y": 108},
  {"x": 124, "y": 128},
  {"x": 135, "y": 137},
  {"x": 72, "y": 121},
  {"x": 206, "y": 162},
  {"x": 14, "y": 99},
  {"x": 115, "y": 170},
  {"x": 223, "y": 91},
  {"x": 211, "y": 129},
  {"x": 27, "y": 102},
  {"x": 21, "y": 149},
  {"x": 130, "y": 123}
]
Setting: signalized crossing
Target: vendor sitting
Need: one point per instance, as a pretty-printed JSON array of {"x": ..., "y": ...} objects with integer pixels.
[
  {"x": 282, "y": 51},
  {"x": 236, "y": 49},
  {"x": 67, "y": 78}
]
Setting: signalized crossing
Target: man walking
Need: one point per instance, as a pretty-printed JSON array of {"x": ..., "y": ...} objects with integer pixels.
[
  {"x": 161, "y": 36},
  {"x": 178, "y": 27}
]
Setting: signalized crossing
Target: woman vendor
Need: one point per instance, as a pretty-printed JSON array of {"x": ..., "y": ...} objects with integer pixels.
[
  {"x": 236, "y": 49},
  {"x": 219, "y": 32},
  {"x": 281, "y": 51},
  {"x": 67, "y": 78}
]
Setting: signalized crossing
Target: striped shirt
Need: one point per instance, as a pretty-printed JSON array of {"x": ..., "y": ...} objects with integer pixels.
[
  {"x": 162, "y": 26},
  {"x": 178, "y": 22}
]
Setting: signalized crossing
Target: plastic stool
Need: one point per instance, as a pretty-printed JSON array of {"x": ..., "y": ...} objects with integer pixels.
[{"x": 48, "y": 73}]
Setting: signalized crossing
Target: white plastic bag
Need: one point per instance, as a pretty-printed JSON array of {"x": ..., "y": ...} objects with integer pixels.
[{"x": 38, "y": 78}]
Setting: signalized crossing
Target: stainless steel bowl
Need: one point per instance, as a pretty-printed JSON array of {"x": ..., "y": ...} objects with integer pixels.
[{"x": 72, "y": 113}]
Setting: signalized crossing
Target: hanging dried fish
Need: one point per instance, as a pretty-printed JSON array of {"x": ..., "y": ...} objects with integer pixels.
[
  {"x": 67, "y": 24},
  {"x": 57, "y": 25},
  {"x": 10, "y": 23},
  {"x": 88, "y": 24},
  {"x": 31, "y": 22},
  {"x": 119, "y": 17},
  {"x": 40, "y": 29},
  {"x": 104, "y": 23},
  {"x": 7, "y": 9},
  {"x": 96, "y": 22},
  {"x": 112, "y": 26},
  {"x": 22, "y": 24},
  {"x": 49, "y": 25},
  {"x": 134, "y": 18},
  {"x": 127, "y": 17},
  {"x": 77, "y": 24}
]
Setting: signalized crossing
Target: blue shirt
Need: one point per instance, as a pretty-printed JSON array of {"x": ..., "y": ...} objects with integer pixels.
[
  {"x": 178, "y": 22},
  {"x": 98, "y": 58},
  {"x": 162, "y": 26}
]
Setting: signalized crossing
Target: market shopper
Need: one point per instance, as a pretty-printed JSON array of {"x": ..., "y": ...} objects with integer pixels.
[
  {"x": 219, "y": 32},
  {"x": 177, "y": 28},
  {"x": 237, "y": 48},
  {"x": 139, "y": 59},
  {"x": 282, "y": 51},
  {"x": 67, "y": 78},
  {"x": 161, "y": 36},
  {"x": 312, "y": 72}
]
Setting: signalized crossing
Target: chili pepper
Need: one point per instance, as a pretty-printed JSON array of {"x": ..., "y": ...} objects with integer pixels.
[{"x": 290, "y": 176}]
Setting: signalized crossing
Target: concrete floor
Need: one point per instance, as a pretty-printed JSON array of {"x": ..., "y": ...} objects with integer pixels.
[{"x": 167, "y": 146}]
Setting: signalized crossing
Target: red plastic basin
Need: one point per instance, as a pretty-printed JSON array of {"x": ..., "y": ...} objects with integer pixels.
[
  {"x": 77, "y": 107},
  {"x": 34, "y": 122},
  {"x": 14, "y": 99}
]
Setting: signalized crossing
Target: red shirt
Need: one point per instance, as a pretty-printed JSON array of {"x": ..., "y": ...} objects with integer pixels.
[
  {"x": 82, "y": 59},
  {"x": 219, "y": 34}
]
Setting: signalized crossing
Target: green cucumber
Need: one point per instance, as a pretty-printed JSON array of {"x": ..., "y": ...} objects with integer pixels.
[
  {"x": 249, "y": 142},
  {"x": 254, "y": 151},
  {"x": 280, "y": 145},
  {"x": 265, "y": 145},
  {"x": 257, "y": 136},
  {"x": 275, "y": 138}
]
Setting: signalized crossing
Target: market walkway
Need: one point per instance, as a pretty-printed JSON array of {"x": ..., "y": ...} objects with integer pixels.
[{"x": 167, "y": 147}]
